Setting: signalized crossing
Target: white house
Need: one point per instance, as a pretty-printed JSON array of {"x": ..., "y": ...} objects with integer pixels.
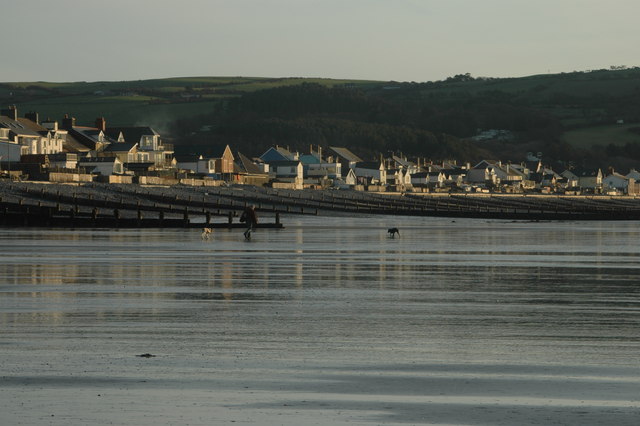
[
  {"x": 32, "y": 138},
  {"x": 286, "y": 169},
  {"x": 615, "y": 181},
  {"x": 196, "y": 164},
  {"x": 374, "y": 172},
  {"x": 148, "y": 141},
  {"x": 430, "y": 179}
]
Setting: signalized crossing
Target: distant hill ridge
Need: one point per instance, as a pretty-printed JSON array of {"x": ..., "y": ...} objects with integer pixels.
[{"x": 546, "y": 113}]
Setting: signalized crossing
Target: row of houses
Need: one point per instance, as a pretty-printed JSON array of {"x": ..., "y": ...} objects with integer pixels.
[{"x": 55, "y": 151}]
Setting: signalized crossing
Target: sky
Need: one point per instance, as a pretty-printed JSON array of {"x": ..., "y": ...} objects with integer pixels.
[{"x": 390, "y": 40}]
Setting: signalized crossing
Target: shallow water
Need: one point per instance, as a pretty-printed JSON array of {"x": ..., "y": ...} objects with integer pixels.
[{"x": 327, "y": 321}]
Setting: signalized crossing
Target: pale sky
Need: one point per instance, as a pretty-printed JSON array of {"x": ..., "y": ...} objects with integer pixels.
[{"x": 401, "y": 40}]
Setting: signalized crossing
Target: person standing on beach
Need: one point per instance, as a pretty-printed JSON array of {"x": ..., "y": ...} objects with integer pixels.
[{"x": 251, "y": 218}]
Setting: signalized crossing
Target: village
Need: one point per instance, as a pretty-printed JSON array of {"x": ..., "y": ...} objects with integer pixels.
[{"x": 65, "y": 152}]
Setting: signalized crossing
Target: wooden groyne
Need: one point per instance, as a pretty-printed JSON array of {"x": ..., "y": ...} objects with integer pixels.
[
  {"x": 25, "y": 215},
  {"x": 103, "y": 205}
]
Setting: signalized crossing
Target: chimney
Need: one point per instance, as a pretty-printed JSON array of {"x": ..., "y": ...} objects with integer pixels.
[
  {"x": 33, "y": 116},
  {"x": 11, "y": 112},
  {"x": 68, "y": 123},
  {"x": 320, "y": 153},
  {"x": 101, "y": 123}
]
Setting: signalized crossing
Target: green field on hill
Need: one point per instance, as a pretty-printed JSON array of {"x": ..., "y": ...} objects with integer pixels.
[
  {"x": 563, "y": 115},
  {"x": 616, "y": 134},
  {"x": 143, "y": 101}
]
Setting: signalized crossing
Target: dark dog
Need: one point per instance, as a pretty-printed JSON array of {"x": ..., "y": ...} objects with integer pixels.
[{"x": 393, "y": 231}]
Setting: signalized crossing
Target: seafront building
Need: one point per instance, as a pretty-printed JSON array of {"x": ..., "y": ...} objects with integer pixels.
[{"x": 68, "y": 152}]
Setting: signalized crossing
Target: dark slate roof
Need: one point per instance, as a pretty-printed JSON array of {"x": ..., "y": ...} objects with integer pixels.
[
  {"x": 283, "y": 163},
  {"x": 345, "y": 154},
  {"x": 120, "y": 147},
  {"x": 33, "y": 126},
  {"x": 17, "y": 127},
  {"x": 248, "y": 166},
  {"x": 402, "y": 161},
  {"x": 276, "y": 153},
  {"x": 71, "y": 144}
]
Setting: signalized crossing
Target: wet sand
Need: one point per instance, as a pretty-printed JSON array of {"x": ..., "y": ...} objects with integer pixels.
[{"x": 462, "y": 323}]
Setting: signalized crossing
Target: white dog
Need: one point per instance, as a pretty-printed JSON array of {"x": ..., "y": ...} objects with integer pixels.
[{"x": 206, "y": 233}]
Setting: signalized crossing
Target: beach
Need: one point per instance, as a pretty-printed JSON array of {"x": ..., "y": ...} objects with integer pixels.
[{"x": 465, "y": 322}]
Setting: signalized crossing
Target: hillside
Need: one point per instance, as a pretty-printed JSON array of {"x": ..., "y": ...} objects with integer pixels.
[{"x": 555, "y": 114}]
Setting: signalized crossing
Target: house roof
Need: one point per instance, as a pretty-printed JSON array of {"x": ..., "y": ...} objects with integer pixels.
[
  {"x": 17, "y": 127},
  {"x": 373, "y": 165},
  {"x": 71, "y": 144},
  {"x": 293, "y": 163},
  {"x": 276, "y": 153},
  {"x": 312, "y": 158},
  {"x": 248, "y": 166},
  {"x": 345, "y": 154},
  {"x": 219, "y": 151},
  {"x": 29, "y": 124},
  {"x": 402, "y": 161},
  {"x": 120, "y": 147},
  {"x": 616, "y": 175}
]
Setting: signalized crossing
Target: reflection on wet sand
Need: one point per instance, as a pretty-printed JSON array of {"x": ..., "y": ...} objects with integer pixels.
[{"x": 471, "y": 322}]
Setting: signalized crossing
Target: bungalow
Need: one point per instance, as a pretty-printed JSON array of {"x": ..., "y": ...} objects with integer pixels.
[
  {"x": 105, "y": 166},
  {"x": 195, "y": 164}
]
